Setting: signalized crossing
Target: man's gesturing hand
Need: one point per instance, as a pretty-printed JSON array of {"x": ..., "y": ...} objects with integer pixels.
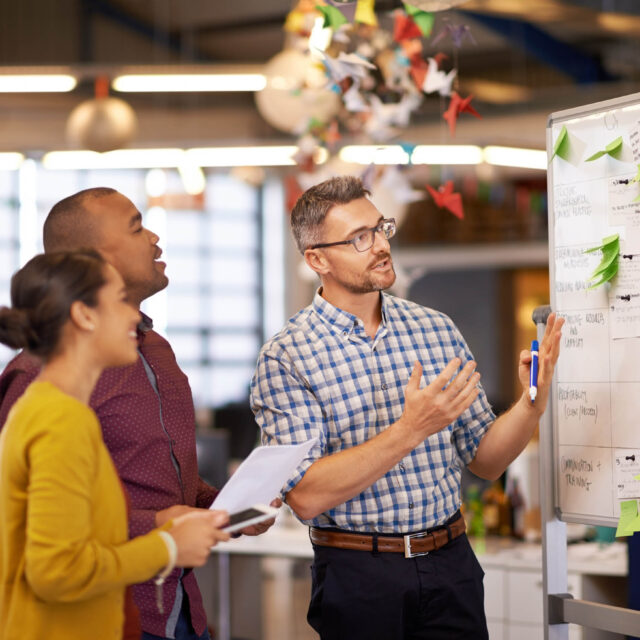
[{"x": 429, "y": 410}]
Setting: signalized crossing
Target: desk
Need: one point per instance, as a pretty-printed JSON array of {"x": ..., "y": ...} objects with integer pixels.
[{"x": 513, "y": 596}]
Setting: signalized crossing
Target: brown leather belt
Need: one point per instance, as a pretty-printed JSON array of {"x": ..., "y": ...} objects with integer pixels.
[{"x": 412, "y": 544}]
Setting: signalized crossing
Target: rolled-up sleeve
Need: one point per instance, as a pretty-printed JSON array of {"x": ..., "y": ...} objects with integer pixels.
[{"x": 471, "y": 426}]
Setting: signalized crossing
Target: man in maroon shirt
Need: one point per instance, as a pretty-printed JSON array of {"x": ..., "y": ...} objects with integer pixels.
[{"x": 146, "y": 409}]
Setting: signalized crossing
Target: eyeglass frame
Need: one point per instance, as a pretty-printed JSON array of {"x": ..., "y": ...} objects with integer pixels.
[{"x": 372, "y": 230}]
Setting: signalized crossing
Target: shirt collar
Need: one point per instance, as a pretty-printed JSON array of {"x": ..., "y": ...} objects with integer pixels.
[
  {"x": 144, "y": 326},
  {"x": 343, "y": 320}
]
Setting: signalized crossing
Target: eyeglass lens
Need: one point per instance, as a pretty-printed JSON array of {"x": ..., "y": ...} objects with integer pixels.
[{"x": 365, "y": 240}]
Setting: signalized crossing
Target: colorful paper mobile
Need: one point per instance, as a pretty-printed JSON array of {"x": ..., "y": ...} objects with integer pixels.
[
  {"x": 365, "y": 13},
  {"x": 423, "y": 19},
  {"x": 613, "y": 149},
  {"x": 608, "y": 266},
  {"x": 386, "y": 116},
  {"x": 348, "y": 70},
  {"x": 445, "y": 198},
  {"x": 457, "y": 32},
  {"x": 437, "y": 80},
  {"x": 333, "y": 17},
  {"x": 457, "y": 106},
  {"x": 404, "y": 28},
  {"x": 347, "y": 9}
]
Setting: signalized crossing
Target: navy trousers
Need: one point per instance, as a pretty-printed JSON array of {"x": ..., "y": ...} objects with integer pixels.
[{"x": 361, "y": 595}]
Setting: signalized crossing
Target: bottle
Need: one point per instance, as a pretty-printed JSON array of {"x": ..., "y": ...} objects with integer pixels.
[
  {"x": 495, "y": 511},
  {"x": 475, "y": 524},
  {"x": 517, "y": 509}
]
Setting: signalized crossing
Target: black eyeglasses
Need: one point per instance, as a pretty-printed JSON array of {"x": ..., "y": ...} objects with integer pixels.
[{"x": 365, "y": 239}]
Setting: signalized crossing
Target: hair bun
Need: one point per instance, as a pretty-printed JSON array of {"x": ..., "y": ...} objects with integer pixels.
[{"x": 15, "y": 329}]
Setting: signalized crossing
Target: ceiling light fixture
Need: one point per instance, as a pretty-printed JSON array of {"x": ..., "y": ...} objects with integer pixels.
[
  {"x": 10, "y": 161},
  {"x": 142, "y": 83},
  {"x": 447, "y": 154},
  {"x": 265, "y": 156},
  {"x": 516, "y": 157},
  {"x": 36, "y": 83}
]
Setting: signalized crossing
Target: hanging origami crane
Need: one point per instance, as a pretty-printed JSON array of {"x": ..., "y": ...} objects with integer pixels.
[
  {"x": 347, "y": 72},
  {"x": 445, "y": 198},
  {"x": 457, "y": 106},
  {"x": 457, "y": 32},
  {"x": 404, "y": 28},
  {"x": 437, "y": 80}
]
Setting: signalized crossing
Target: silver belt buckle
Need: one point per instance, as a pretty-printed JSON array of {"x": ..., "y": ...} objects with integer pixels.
[{"x": 407, "y": 544}]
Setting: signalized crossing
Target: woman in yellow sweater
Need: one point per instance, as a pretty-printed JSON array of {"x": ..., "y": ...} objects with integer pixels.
[{"x": 64, "y": 554}]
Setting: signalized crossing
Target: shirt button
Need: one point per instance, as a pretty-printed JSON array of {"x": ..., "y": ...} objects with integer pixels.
[
  {"x": 344, "y": 333},
  {"x": 401, "y": 467},
  {"x": 384, "y": 386},
  {"x": 411, "y": 505}
]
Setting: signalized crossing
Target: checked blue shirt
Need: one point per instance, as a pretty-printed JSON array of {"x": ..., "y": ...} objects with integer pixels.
[{"x": 323, "y": 377}]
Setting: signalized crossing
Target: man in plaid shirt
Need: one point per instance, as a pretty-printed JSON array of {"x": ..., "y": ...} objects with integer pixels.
[{"x": 390, "y": 390}]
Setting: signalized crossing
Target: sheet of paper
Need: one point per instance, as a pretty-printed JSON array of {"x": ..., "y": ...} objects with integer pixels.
[
  {"x": 573, "y": 268},
  {"x": 626, "y": 467},
  {"x": 634, "y": 141},
  {"x": 585, "y": 477},
  {"x": 585, "y": 333},
  {"x": 621, "y": 194},
  {"x": 624, "y": 296},
  {"x": 583, "y": 411},
  {"x": 628, "y": 517},
  {"x": 261, "y": 476}
]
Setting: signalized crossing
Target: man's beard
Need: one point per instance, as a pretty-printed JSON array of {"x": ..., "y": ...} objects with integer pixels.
[{"x": 368, "y": 283}]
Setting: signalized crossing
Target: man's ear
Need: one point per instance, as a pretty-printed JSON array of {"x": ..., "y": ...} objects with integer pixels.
[
  {"x": 82, "y": 316},
  {"x": 317, "y": 261}
]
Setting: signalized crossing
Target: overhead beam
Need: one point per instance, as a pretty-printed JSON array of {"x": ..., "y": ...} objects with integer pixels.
[
  {"x": 171, "y": 41},
  {"x": 523, "y": 35}
]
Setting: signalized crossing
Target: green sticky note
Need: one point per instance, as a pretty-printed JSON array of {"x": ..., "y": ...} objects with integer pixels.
[
  {"x": 608, "y": 266},
  {"x": 636, "y": 178},
  {"x": 423, "y": 19},
  {"x": 613, "y": 149},
  {"x": 561, "y": 147},
  {"x": 628, "y": 513},
  {"x": 333, "y": 17}
]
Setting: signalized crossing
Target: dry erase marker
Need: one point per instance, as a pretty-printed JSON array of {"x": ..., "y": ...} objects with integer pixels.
[{"x": 533, "y": 371}]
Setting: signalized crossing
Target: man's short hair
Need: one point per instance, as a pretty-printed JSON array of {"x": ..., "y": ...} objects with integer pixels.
[
  {"x": 69, "y": 225},
  {"x": 315, "y": 203}
]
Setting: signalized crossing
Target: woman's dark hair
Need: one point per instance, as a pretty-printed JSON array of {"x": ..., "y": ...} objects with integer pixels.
[{"x": 42, "y": 293}]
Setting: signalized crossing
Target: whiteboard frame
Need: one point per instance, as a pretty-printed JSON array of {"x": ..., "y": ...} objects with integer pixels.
[{"x": 565, "y": 117}]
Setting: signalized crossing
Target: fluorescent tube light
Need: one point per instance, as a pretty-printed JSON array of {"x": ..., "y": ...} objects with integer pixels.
[
  {"x": 446, "y": 154},
  {"x": 374, "y": 154},
  {"x": 243, "y": 156},
  {"x": 266, "y": 156},
  {"x": 36, "y": 83},
  {"x": 10, "y": 161},
  {"x": 120, "y": 159},
  {"x": 190, "y": 82},
  {"x": 515, "y": 157}
]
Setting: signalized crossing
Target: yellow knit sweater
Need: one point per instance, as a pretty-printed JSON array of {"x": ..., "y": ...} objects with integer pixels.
[{"x": 64, "y": 554}]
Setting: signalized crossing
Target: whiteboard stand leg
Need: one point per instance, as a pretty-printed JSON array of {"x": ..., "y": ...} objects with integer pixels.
[
  {"x": 224, "y": 596},
  {"x": 554, "y": 532}
]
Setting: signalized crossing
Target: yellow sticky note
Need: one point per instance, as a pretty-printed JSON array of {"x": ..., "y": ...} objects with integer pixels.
[
  {"x": 637, "y": 477},
  {"x": 628, "y": 514},
  {"x": 365, "y": 13}
]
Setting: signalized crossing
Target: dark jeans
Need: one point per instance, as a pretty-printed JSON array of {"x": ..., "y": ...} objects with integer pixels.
[
  {"x": 359, "y": 595},
  {"x": 184, "y": 630}
]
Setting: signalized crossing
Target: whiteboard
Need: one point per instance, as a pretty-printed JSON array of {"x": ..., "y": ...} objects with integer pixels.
[{"x": 596, "y": 390}]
